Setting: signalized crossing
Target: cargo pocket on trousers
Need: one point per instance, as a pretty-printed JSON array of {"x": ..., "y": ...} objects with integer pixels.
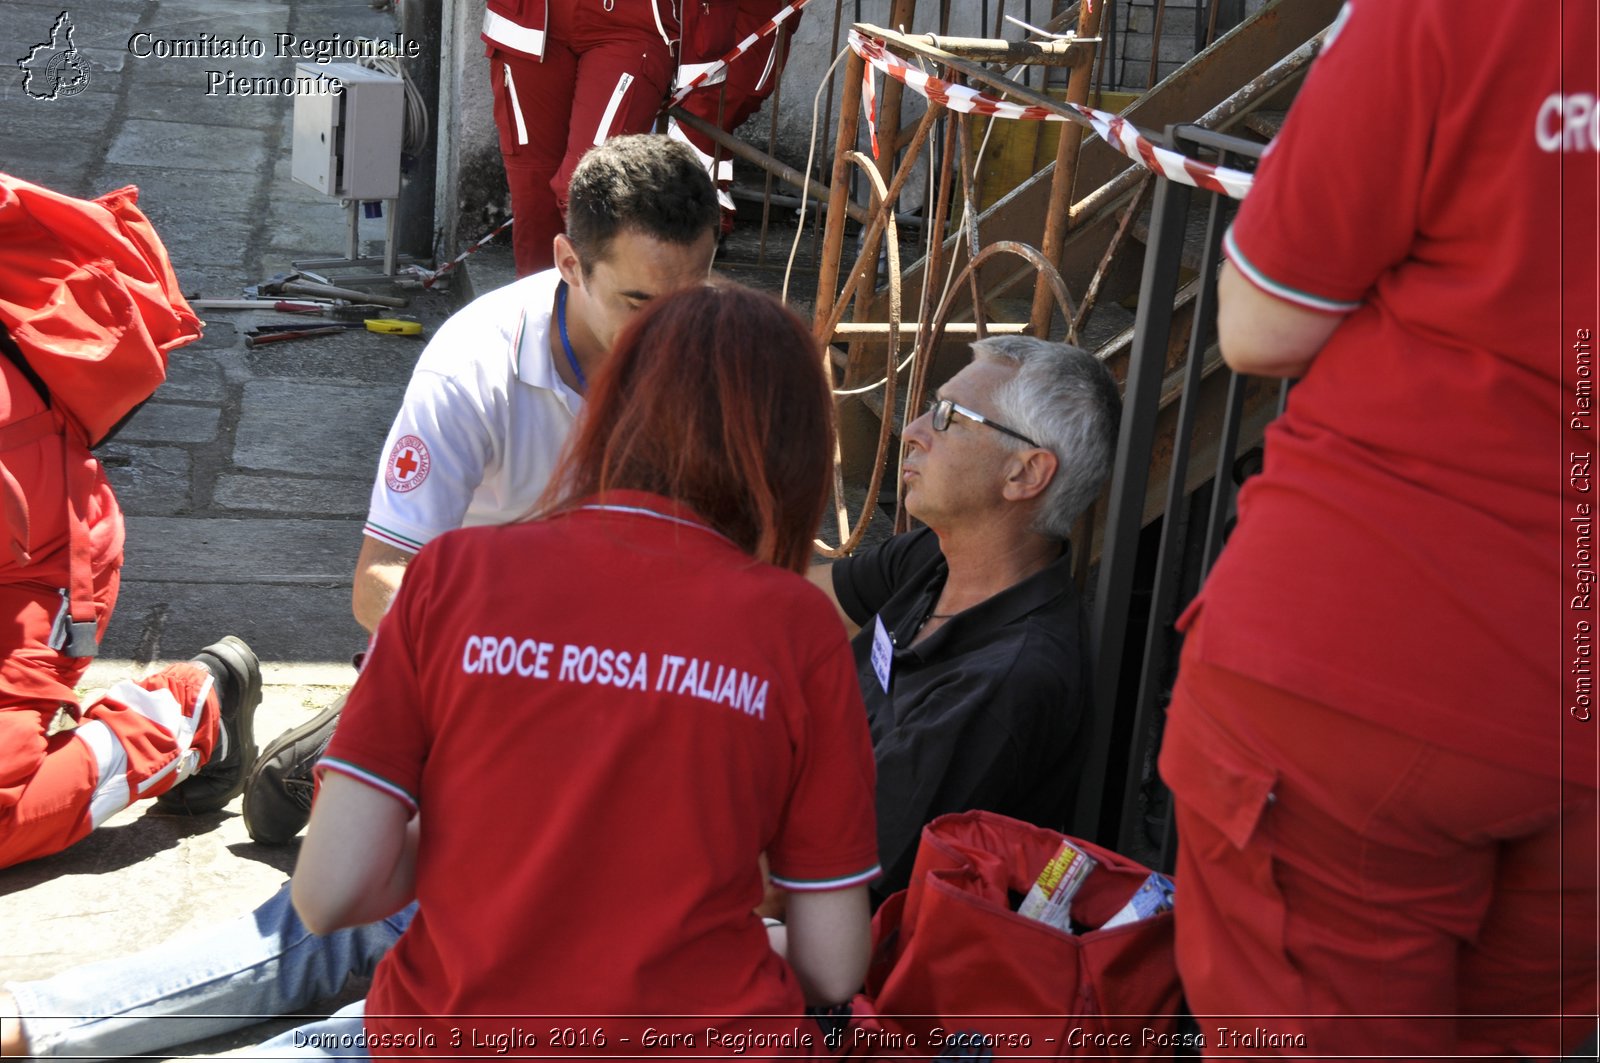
[{"x": 1217, "y": 779}]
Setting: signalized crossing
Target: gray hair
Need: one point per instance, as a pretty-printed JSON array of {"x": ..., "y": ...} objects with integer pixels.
[{"x": 1065, "y": 398}]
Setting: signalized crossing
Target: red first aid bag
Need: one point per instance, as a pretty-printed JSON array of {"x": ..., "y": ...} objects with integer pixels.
[
  {"x": 954, "y": 966},
  {"x": 88, "y": 295},
  {"x": 90, "y": 308}
]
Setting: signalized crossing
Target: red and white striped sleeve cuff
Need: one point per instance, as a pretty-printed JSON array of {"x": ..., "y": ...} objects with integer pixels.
[
  {"x": 822, "y": 885},
  {"x": 1298, "y": 296},
  {"x": 377, "y": 782}
]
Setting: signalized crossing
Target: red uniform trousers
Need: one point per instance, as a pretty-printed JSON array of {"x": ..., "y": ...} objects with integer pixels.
[
  {"x": 57, "y": 781},
  {"x": 133, "y": 741},
  {"x": 751, "y": 78},
  {"x": 604, "y": 74},
  {"x": 1337, "y": 879}
]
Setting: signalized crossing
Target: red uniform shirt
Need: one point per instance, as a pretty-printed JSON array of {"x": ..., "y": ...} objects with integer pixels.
[
  {"x": 603, "y": 719},
  {"x": 1402, "y": 555}
]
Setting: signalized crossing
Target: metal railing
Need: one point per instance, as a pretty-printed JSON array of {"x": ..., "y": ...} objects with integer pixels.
[{"x": 1133, "y": 669}]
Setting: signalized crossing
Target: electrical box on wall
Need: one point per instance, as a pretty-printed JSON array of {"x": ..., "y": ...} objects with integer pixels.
[{"x": 348, "y": 144}]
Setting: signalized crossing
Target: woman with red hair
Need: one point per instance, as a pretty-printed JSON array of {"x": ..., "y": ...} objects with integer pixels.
[{"x": 595, "y": 721}]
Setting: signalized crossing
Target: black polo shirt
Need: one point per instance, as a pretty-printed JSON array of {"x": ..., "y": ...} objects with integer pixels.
[{"x": 979, "y": 715}]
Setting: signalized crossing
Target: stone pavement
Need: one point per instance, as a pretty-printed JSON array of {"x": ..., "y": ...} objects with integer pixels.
[{"x": 245, "y": 479}]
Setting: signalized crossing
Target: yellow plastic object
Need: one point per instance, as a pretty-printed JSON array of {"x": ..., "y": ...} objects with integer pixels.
[{"x": 393, "y": 326}]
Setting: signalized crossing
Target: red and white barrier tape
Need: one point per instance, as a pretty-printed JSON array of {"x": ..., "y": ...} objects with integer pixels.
[
  {"x": 1116, "y": 131},
  {"x": 432, "y": 276},
  {"x": 721, "y": 65}
]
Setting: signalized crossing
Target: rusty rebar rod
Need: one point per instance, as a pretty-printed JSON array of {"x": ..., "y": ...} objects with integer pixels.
[
  {"x": 933, "y": 262},
  {"x": 967, "y": 153},
  {"x": 1064, "y": 177},
  {"x": 850, "y": 536},
  {"x": 838, "y": 190},
  {"x": 1011, "y": 53},
  {"x": 1086, "y": 304},
  {"x": 833, "y": 313}
]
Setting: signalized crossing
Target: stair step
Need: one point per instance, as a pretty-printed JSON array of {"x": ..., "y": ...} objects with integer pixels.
[
  {"x": 1264, "y": 123},
  {"x": 1194, "y": 236},
  {"x": 1106, "y": 322}
]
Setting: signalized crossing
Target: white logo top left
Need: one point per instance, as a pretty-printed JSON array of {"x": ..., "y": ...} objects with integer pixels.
[{"x": 55, "y": 68}]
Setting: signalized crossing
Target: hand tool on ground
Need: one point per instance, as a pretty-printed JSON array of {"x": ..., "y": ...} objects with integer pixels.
[
  {"x": 290, "y": 284},
  {"x": 337, "y": 310},
  {"x": 288, "y": 306},
  {"x": 392, "y": 326},
  {"x": 295, "y": 334}
]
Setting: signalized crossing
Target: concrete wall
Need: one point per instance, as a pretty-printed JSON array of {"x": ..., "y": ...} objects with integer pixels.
[{"x": 471, "y": 196}]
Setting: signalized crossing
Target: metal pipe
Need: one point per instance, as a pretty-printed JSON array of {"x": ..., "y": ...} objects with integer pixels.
[
  {"x": 968, "y": 155},
  {"x": 772, "y": 139},
  {"x": 786, "y": 174},
  {"x": 850, "y": 537},
  {"x": 1093, "y": 292},
  {"x": 901, "y": 12},
  {"x": 838, "y": 192},
  {"x": 1135, "y": 443},
  {"x": 1011, "y": 53},
  {"x": 1066, "y": 172},
  {"x": 934, "y": 260},
  {"x": 779, "y": 199},
  {"x": 834, "y": 312},
  {"x": 889, "y": 141},
  {"x": 1164, "y": 594},
  {"x": 818, "y": 237}
]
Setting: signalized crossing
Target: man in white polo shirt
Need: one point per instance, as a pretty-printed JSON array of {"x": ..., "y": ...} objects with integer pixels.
[{"x": 495, "y": 393}]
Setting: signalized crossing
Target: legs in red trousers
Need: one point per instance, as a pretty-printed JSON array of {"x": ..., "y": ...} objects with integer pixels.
[
  {"x": 603, "y": 74},
  {"x": 1346, "y": 890},
  {"x": 750, "y": 78},
  {"x": 138, "y": 739}
]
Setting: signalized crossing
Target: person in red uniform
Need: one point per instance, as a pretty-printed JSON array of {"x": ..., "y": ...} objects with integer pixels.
[
  {"x": 745, "y": 86},
  {"x": 1385, "y": 809},
  {"x": 88, "y": 301},
  {"x": 569, "y": 74},
  {"x": 641, "y": 688}
]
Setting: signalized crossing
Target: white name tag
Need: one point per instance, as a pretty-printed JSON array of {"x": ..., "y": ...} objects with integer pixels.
[{"x": 882, "y": 653}]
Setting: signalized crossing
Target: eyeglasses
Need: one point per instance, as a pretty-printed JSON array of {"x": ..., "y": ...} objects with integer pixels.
[{"x": 941, "y": 409}]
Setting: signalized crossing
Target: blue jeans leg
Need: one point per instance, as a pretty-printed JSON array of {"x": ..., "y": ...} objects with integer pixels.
[
  {"x": 199, "y": 984},
  {"x": 339, "y": 1036}
]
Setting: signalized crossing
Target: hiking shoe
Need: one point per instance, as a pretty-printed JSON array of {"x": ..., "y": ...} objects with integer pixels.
[
  {"x": 277, "y": 796},
  {"x": 238, "y": 683}
]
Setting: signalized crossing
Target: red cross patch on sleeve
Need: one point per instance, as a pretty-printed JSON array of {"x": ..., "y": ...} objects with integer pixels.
[{"x": 408, "y": 464}]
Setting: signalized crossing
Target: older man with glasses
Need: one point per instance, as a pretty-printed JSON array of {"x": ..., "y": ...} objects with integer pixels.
[{"x": 972, "y": 645}]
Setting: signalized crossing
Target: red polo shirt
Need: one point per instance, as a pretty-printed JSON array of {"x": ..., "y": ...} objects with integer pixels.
[
  {"x": 1406, "y": 554},
  {"x": 603, "y": 719}
]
